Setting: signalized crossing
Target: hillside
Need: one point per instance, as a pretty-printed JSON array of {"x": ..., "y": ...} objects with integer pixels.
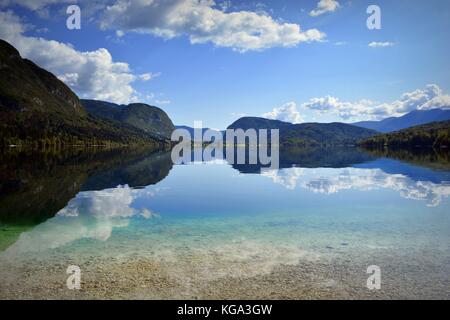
[
  {"x": 191, "y": 131},
  {"x": 436, "y": 134},
  {"x": 149, "y": 119},
  {"x": 38, "y": 109},
  {"x": 414, "y": 118},
  {"x": 307, "y": 133}
]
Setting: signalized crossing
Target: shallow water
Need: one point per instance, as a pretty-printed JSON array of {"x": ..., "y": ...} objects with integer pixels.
[{"x": 205, "y": 227}]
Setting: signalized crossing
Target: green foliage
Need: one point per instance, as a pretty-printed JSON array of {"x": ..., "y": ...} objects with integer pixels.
[
  {"x": 149, "y": 119},
  {"x": 435, "y": 134}
]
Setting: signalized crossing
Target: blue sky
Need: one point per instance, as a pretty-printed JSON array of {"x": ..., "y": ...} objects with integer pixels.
[{"x": 234, "y": 58}]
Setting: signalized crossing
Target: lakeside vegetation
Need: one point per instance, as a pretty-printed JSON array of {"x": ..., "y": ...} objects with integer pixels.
[{"x": 435, "y": 134}]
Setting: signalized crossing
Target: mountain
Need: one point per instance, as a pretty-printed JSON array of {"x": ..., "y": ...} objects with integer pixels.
[
  {"x": 192, "y": 130},
  {"x": 149, "y": 119},
  {"x": 307, "y": 133},
  {"x": 38, "y": 109},
  {"x": 257, "y": 123},
  {"x": 414, "y": 118},
  {"x": 435, "y": 134}
]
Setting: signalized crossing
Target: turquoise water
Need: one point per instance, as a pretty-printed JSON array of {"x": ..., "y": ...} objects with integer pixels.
[{"x": 209, "y": 221}]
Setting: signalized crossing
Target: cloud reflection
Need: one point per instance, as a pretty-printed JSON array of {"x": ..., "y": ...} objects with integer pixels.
[
  {"x": 90, "y": 215},
  {"x": 330, "y": 181}
]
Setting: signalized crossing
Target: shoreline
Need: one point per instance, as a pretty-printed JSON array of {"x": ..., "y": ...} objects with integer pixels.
[{"x": 149, "y": 279}]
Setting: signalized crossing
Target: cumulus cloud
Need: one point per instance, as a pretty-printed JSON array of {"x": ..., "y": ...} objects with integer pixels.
[
  {"x": 92, "y": 74},
  {"x": 430, "y": 97},
  {"x": 324, "y": 6},
  {"x": 287, "y": 112},
  {"x": 346, "y": 110},
  {"x": 375, "y": 44},
  {"x": 203, "y": 22}
]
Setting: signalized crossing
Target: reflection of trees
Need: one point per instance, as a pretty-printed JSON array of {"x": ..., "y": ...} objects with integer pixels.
[
  {"x": 34, "y": 186},
  {"x": 137, "y": 172},
  {"x": 348, "y": 157},
  {"x": 426, "y": 157},
  {"x": 310, "y": 157}
]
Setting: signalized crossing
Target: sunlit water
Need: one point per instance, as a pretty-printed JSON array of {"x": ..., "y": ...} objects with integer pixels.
[{"x": 206, "y": 222}]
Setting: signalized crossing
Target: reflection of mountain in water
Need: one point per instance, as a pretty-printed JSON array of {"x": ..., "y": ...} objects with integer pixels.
[
  {"x": 87, "y": 195},
  {"x": 141, "y": 172},
  {"x": 415, "y": 177},
  {"x": 420, "y": 164},
  {"x": 312, "y": 158},
  {"x": 34, "y": 187}
]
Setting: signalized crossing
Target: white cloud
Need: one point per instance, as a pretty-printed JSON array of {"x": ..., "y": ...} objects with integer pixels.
[
  {"x": 430, "y": 97},
  {"x": 149, "y": 76},
  {"x": 375, "y": 44},
  {"x": 286, "y": 177},
  {"x": 203, "y": 22},
  {"x": 11, "y": 25},
  {"x": 346, "y": 110},
  {"x": 324, "y": 6},
  {"x": 287, "y": 112},
  {"x": 92, "y": 74}
]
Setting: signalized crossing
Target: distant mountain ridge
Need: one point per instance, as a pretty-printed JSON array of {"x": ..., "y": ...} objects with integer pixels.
[
  {"x": 413, "y": 118},
  {"x": 307, "y": 133}
]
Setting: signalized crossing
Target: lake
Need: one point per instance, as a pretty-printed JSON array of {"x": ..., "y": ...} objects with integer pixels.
[{"x": 139, "y": 227}]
